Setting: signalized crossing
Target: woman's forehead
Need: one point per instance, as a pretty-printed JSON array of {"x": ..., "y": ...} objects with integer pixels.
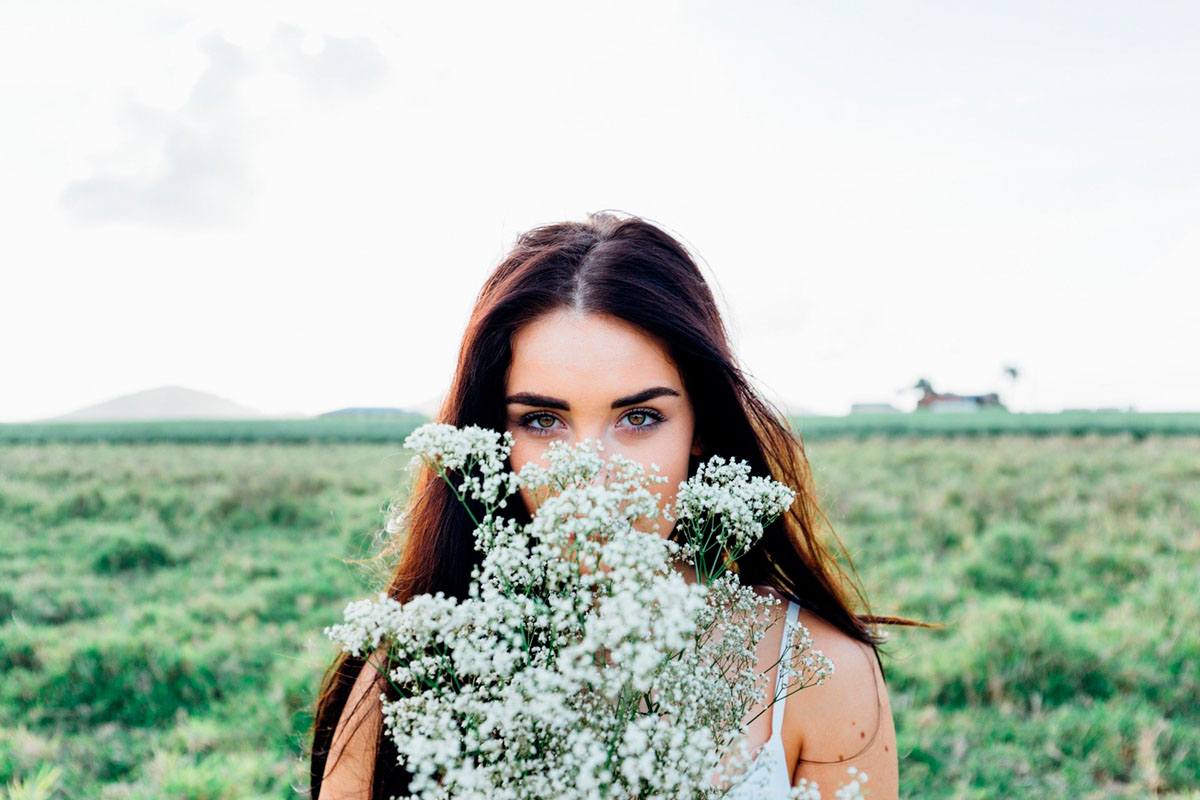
[{"x": 567, "y": 351}]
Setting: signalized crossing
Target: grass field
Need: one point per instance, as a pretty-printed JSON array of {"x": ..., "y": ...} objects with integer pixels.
[
  {"x": 394, "y": 427},
  {"x": 161, "y": 606}
]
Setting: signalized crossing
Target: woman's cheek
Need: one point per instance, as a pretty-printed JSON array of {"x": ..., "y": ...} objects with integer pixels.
[{"x": 533, "y": 498}]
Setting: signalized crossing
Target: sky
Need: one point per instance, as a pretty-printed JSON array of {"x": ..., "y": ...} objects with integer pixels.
[{"x": 294, "y": 205}]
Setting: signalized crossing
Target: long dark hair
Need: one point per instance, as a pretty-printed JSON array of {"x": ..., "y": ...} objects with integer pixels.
[{"x": 631, "y": 269}]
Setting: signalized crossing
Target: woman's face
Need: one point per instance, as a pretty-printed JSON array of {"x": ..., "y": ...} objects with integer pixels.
[{"x": 579, "y": 375}]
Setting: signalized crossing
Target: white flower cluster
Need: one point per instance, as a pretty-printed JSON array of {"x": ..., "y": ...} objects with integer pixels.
[
  {"x": 723, "y": 505},
  {"x": 450, "y": 449},
  {"x": 800, "y": 660},
  {"x": 582, "y": 664}
]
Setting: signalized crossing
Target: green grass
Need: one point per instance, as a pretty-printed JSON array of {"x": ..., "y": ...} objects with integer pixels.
[
  {"x": 341, "y": 428},
  {"x": 161, "y": 608},
  {"x": 394, "y": 427},
  {"x": 1000, "y": 423}
]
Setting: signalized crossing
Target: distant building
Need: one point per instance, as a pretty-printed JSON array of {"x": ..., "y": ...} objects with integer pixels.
[
  {"x": 873, "y": 408},
  {"x": 934, "y": 401}
]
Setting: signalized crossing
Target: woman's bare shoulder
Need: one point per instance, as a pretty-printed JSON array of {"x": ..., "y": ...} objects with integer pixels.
[{"x": 847, "y": 720}]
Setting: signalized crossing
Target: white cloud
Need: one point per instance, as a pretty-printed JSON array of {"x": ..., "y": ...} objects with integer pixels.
[
  {"x": 190, "y": 165},
  {"x": 330, "y": 67},
  {"x": 193, "y": 173}
]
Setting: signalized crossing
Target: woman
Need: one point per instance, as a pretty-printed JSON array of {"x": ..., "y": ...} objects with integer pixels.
[{"x": 605, "y": 329}]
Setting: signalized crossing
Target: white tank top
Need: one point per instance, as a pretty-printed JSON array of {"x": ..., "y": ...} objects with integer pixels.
[{"x": 768, "y": 776}]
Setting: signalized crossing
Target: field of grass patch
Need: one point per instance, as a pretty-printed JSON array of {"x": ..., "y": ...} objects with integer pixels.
[
  {"x": 382, "y": 428},
  {"x": 161, "y": 607}
]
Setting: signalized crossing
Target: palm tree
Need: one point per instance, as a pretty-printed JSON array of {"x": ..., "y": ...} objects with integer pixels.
[{"x": 1012, "y": 372}]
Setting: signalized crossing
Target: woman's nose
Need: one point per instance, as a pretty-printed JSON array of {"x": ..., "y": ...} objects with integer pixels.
[
  {"x": 594, "y": 435},
  {"x": 609, "y": 446}
]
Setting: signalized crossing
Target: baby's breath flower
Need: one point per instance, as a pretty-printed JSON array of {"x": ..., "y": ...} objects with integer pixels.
[
  {"x": 852, "y": 790},
  {"x": 723, "y": 506},
  {"x": 448, "y": 449},
  {"x": 581, "y": 663}
]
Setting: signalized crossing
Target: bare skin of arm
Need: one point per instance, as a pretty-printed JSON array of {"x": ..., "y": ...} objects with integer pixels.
[
  {"x": 351, "y": 762},
  {"x": 847, "y": 719}
]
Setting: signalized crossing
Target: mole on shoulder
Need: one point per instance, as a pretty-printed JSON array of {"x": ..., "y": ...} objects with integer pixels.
[
  {"x": 862, "y": 734},
  {"x": 885, "y": 748}
]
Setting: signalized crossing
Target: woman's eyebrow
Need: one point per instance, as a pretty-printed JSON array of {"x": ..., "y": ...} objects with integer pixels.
[
  {"x": 644, "y": 395},
  {"x": 532, "y": 399}
]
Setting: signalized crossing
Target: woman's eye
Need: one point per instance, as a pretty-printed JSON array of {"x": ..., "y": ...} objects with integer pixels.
[
  {"x": 532, "y": 422},
  {"x": 643, "y": 418}
]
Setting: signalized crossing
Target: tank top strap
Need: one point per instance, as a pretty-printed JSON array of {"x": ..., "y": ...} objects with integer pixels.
[{"x": 793, "y": 613}]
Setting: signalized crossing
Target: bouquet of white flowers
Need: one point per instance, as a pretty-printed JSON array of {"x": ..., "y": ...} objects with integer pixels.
[{"x": 583, "y": 664}]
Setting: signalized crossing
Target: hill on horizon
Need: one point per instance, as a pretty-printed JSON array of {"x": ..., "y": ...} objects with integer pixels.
[
  {"x": 364, "y": 411},
  {"x": 162, "y": 402}
]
